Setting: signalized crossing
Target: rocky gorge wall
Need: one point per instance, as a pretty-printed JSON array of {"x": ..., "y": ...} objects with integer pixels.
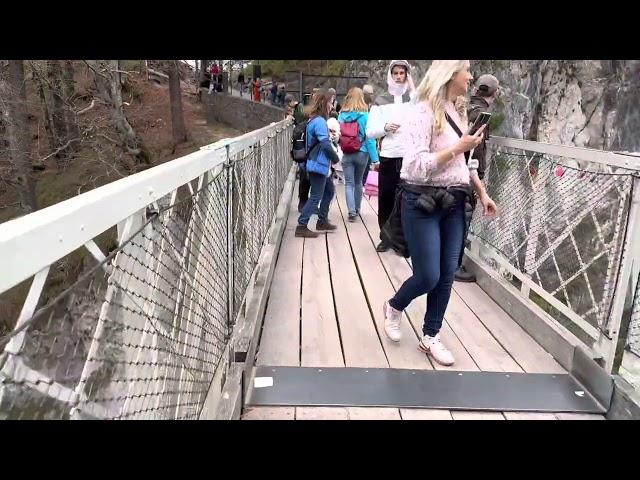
[{"x": 586, "y": 103}]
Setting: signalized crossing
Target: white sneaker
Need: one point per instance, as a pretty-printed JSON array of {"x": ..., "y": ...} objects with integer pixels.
[
  {"x": 434, "y": 347},
  {"x": 392, "y": 319}
]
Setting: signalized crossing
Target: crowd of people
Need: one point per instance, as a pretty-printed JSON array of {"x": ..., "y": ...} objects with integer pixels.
[{"x": 429, "y": 164}]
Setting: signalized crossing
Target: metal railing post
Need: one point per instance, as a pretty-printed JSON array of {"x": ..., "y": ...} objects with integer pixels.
[
  {"x": 230, "y": 273},
  {"x": 612, "y": 347}
]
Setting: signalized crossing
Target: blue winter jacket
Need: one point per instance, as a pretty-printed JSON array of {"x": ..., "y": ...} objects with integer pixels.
[{"x": 320, "y": 152}]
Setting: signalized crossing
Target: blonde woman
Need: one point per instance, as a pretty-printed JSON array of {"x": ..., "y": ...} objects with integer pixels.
[
  {"x": 355, "y": 110},
  {"x": 436, "y": 193}
]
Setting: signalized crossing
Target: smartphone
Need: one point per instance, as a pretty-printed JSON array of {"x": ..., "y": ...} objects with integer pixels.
[{"x": 481, "y": 120}]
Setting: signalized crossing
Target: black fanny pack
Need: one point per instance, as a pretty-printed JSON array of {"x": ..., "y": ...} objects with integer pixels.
[{"x": 431, "y": 199}]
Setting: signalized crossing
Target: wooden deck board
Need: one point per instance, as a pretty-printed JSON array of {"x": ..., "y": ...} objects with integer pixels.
[
  {"x": 529, "y": 416},
  {"x": 322, "y": 413},
  {"x": 269, "y": 413},
  {"x": 341, "y": 273},
  {"x": 425, "y": 414},
  {"x": 373, "y": 413},
  {"x": 360, "y": 341},
  {"x": 524, "y": 349},
  {"x": 378, "y": 289},
  {"x": 487, "y": 353},
  {"x": 280, "y": 340},
  {"x": 398, "y": 271},
  {"x": 320, "y": 342},
  {"x": 473, "y": 415}
]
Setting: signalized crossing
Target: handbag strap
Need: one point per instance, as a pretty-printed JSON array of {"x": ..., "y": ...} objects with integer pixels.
[{"x": 459, "y": 132}]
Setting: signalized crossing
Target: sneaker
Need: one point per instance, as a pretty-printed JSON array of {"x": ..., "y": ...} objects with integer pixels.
[
  {"x": 463, "y": 275},
  {"x": 325, "y": 225},
  {"x": 304, "y": 232},
  {"x": 353, "y": 218},
  {"x": 392, "y": 319},
  {"x": 434, "y": 347}
]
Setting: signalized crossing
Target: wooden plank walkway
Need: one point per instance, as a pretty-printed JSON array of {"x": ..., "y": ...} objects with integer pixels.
[{"x": 325, "y": 309}]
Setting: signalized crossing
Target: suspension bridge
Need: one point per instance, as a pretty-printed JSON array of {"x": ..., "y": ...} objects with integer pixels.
[{"x": 207, "y": 306}]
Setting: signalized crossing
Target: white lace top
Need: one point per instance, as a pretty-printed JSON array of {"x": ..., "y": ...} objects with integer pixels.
[{"x": 419, "y": 164}]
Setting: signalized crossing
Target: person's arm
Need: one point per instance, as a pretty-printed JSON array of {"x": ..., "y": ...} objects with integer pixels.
[
  {"x": 375, "y": 124},
  {"x": 420, "y": 160},
  {"x": 370, "y": 143},
  {"x": 488, "y": 204}
]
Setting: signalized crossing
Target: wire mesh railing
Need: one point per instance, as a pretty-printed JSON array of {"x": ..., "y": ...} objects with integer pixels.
[
  {"x": 633, "y": 335},
  {"x": 563, "y": 230},
  {"x": 142, "y": 333}
]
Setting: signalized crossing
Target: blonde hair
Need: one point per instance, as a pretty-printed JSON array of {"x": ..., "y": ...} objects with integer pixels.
[
  {"x": 355, "y": 101},
  {"x": 433, "y": 90}
]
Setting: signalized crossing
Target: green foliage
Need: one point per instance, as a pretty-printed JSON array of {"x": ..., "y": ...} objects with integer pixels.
[{"x": 496, "y": 120}]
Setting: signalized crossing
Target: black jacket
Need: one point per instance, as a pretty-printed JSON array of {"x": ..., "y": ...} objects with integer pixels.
[{"x": 478, "y": 105}]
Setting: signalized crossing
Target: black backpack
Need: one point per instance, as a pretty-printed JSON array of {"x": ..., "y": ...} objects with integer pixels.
[
  {"x": 299, "y": 152},
  {"x": 299, "y": 148}
]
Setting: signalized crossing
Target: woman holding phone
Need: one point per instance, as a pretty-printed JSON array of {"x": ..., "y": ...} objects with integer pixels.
[{"x": 436, "y": 194}]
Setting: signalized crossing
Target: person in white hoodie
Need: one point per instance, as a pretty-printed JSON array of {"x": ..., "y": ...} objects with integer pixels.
[{"x": 385, "y": 119}]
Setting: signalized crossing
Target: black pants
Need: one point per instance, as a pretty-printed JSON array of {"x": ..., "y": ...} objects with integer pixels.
[
  {"x": 304, "y": 186},
  {"x": 366, "y": 172},
  {"x": 388, "y": 179}
]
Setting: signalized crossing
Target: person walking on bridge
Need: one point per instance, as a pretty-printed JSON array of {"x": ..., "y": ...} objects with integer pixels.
[
  {"x": 256, "y": 89},
  {"x": 320, "y": 157},
  {"x": 360, "y": 151},
  {"x": 481, "y": 101},
  {"x": 436, "y": 199},
  {"x": 241, "y": 82},
  {"x": 385, "y": 119}
]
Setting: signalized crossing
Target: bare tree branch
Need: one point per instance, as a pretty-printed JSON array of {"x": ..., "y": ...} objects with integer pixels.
[
  {"x": 60, "y": 149},
  {"x": 115, "y": 142},
  {"x": 95, "y": 70},
  {"x": 86, "y": 109}
]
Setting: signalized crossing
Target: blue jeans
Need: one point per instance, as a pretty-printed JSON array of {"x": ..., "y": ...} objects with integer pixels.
[
  {"x": 322, "y": 192},
  {"x": 353, "y": 165},
  {"x": 435, "y": 242}
]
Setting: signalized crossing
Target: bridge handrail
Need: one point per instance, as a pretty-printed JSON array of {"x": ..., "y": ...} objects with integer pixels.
[
  {"x": 145, "y": 331},
  {"x": 546, "y": 203},
  {"x": 70, "y": 224},
  {"x": 624, "y": 160}
]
